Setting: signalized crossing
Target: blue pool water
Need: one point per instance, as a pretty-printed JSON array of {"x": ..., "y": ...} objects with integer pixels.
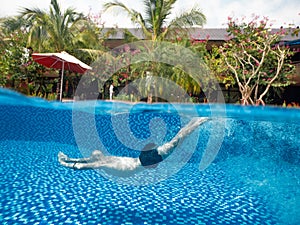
[{"x": 253, "y": 179}]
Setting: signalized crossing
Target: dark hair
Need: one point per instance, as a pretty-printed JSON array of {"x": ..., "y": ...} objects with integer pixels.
[{"x": 149, "y": 146}]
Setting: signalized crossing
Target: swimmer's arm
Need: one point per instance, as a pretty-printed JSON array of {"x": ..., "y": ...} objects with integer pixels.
[{"x": 166, "y": 149}]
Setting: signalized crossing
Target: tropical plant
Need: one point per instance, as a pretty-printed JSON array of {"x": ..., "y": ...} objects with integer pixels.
[
  {"x": 154, "y": 21},
  {"x": 17, "y": 70},
  {"x": 256, "y": 59},
  {"x": 51, "y": 31},
  {"x": 157, "y": 25},
  {"x": 11, "y": 59},
  {"x": 59, "y": 30},
  {"x": 163, "y": 62}
]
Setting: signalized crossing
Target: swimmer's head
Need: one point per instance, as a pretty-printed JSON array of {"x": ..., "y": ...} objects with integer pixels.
[{"x": 149, "y": 146}]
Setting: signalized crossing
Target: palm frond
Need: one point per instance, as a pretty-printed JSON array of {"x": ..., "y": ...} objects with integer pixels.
[
  {"x": 134, "y": 15},
  {"x": 56, "y": 7},
  {"x": 31, "y": 14},
  {"x": 93, "y": 53},
  {"x": 178, "y": 26},
  {"x": 188, "y": 19},
  {"x": 129, "y": 37}
]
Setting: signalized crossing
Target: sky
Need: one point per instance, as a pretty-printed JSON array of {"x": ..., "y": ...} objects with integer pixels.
[{"x": 279, "y": 12}]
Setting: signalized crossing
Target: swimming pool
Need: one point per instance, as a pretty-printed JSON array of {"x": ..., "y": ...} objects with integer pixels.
[{"x": 254, "y": 178}]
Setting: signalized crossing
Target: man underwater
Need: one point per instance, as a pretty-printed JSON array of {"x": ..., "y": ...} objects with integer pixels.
[{"x": 150, "y": 156}]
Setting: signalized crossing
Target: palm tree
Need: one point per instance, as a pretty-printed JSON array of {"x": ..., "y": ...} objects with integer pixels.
[
  {"x": 157, "y": 25},
  {"x": 154, "y": 23},
  {"x": 54, "y": 30}
]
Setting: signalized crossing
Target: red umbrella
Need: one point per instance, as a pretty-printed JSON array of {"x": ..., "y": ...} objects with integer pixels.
[{"x": 62, "y": 61}]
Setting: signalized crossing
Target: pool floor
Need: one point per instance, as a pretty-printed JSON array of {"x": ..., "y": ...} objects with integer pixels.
[{"x": 35, "y": 189}]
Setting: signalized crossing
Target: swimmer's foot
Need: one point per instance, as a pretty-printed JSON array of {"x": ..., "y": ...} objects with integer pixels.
[
  {"x": 62, "y": 157},
  {"x": 79, "y": 166}
]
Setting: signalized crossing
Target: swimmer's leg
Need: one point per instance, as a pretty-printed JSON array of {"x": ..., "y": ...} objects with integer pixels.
[
  {"x": 78, "y": 165},
  {"x": 85, "y": 165}
]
